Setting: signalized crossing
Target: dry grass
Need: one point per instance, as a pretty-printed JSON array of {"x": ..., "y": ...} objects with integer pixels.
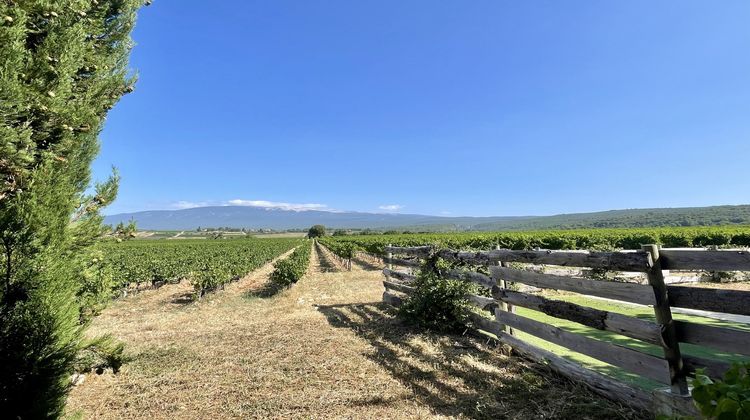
[
  {"x": 737, "y": 285},
  {"x": 325, "y": 348}
]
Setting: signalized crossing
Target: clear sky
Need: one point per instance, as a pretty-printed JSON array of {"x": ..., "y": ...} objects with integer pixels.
[{"x": 436, "y": 107}]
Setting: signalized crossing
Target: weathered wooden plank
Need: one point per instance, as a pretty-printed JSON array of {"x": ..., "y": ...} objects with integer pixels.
[
  {"x": 701, "y": 259},
  {"x": 504, "y": 306},
  {"x": 392, "y": 299},
  {"x": 594, "y": 318},
  {"x": 713, "y": 368},
  {"x": 631, "y": 360},
  {"x": 485, "y": 324},
  {"x": 716, "y": 300},
  {"x": 403, "y": 263},
  {"x": 663, "y": 314},
  {"x": 417, "y": 251},
  {"x": 389, "y": 285},
  {"x": 399, "y": 275},
  {"x": 620, "y": 261},
  {"x": 630, "y": 292},
  {"x": 474, "y": 277},
  {"x": 482, "y": 302},
  {"x": 724, "y": 339},
  {"x": 597, "y": 382}
]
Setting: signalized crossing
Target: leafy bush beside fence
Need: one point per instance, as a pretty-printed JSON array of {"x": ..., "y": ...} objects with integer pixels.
[{"x": 437, "y": 303}]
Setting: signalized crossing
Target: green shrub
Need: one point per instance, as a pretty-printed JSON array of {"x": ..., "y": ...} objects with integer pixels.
[
  {"x": 99, "y": 354},
  {"x": 726, "y": 399},
  {"x": 63, "y": 65},
  {"x": 288, "y": 271},
  {"x": 436, "y": 303},
  {"x": 317, "y": 231}
]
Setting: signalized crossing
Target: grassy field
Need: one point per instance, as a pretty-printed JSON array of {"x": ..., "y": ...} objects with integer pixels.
[{"x": 637, "y": 311}]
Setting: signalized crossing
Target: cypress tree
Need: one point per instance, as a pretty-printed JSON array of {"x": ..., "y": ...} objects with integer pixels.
[{"x": 63, "y": 65}]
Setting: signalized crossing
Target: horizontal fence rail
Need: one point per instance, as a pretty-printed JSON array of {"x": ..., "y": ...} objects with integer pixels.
[
  {"x": 628, "y": 292},
  {"x": 505, "y": 267},
  {"x": 622, "y": 261},
  {"x": 690, "y": 259}
]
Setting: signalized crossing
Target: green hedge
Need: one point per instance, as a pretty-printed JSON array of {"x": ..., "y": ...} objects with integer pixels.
[
  {"x": 595, "y": 239},
  {"x": 291, "y": 269}
]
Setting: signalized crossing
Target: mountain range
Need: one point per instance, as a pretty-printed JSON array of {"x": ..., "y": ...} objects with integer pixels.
[{"x": 280, "y": 219}]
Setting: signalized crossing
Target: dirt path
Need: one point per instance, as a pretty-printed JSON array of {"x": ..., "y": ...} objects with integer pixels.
[{"x": 327, "y": 347}]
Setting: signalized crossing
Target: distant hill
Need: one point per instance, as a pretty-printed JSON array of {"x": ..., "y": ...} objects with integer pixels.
[{"x": 278, "y": 219}]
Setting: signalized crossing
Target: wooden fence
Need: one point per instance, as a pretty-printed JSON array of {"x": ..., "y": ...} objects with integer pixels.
[{"x": 671, "y": 369}]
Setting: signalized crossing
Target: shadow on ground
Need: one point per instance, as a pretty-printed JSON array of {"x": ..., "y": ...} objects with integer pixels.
[
  {"x": 325, "y": 265},
  {"x": 269, "y": 289},
  {"x": 365, "y": 265},
  {"x": 460, "y": 376}
]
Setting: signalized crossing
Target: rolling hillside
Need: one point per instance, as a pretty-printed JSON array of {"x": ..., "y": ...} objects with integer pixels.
[{"x": 274, "y": 218}]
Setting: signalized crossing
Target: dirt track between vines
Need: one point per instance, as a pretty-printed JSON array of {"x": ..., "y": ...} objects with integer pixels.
[{"x": 325, "y": 348}]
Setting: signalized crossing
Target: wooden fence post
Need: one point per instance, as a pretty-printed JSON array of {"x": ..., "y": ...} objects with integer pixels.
[
  {"x": 504, "y": 306},
  {"x": 390, "y": 256},
  {"x": 663, "y": 313}
]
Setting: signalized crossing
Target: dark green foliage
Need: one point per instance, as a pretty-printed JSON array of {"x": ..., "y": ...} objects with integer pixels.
[
  {"x": 593, "y": 239},
  {"x": 101, "y": 353},
  {"x": 63, "y": 65},
  {"x": 208, "y": 264},
  {"x": 317, "y": 231},
  {"x": 726, "y": 399},
  {"x": 436, "y": 303},
  {"x": 289, "y": 270},
  {"x": 344, "y": 249},
  {"x": 125, "y": 232}
]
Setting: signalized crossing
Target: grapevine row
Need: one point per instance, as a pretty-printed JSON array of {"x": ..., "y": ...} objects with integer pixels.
[
  {"x": 207, "y": 264},
  {"x": 593, "y": 239},
  {"x": 291, "y": 269}
]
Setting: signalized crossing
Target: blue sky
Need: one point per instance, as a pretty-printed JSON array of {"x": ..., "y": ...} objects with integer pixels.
[{"x": 436, "y": 107}]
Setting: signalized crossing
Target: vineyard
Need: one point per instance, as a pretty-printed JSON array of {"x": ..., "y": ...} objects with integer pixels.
[
  {"x": 207, "y": 264},
  {"x": 290, "y": 270},
  {"x": 592, "y": 239}
]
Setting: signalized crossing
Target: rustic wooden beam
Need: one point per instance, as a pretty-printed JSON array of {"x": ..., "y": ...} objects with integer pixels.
[
  {"x": 619, "y": 261},
  {"x": 597, "y": 382},
  {"x": 404, "y": 263},
  {"x": 485, "y": 324},
  {"x": 631, "y": 360},
  {"x": 482, "y": 302},
  {"x": 483, "y": 280},
  {"x": 629, "y": 292},
  {"x": 716, "y": 300},
  {"x": 663, "y": 313},
  {"x": 594, "y": 318},
  {"x": 389, "y": 285},
  {"x": 503, "y": 284},
  {"x": 724, "y": 339},
  {"x": 701, "y": 259},
  {"x": 399, "y": 275}
]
